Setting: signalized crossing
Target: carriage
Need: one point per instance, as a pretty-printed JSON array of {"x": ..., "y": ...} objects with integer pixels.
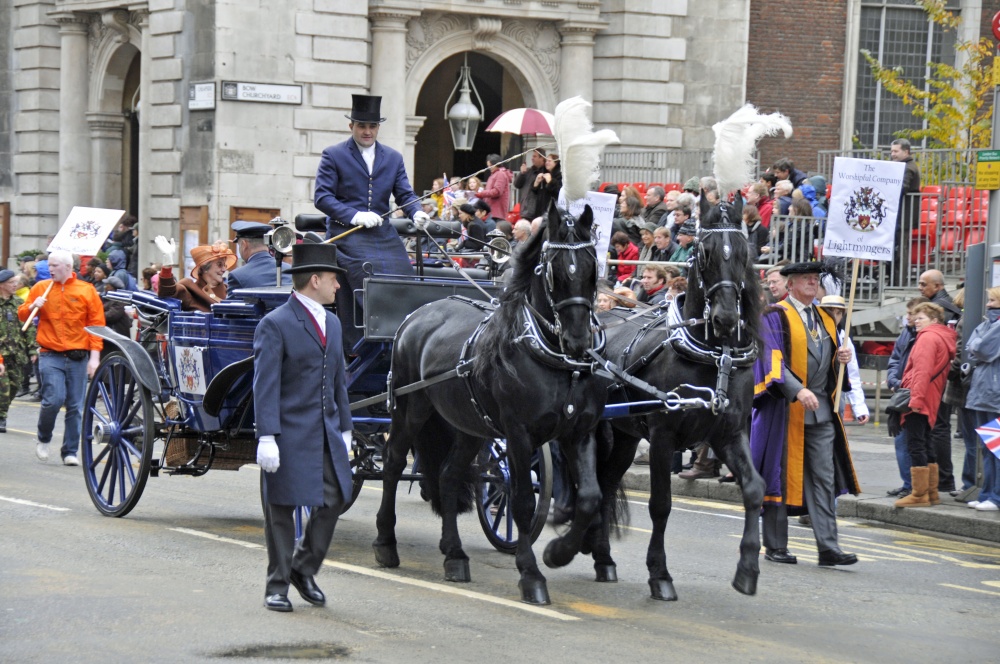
[{"x": 178, "y": 400}]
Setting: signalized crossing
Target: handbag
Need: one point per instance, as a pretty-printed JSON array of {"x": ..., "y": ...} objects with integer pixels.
[{"x": 899, "y": 402}]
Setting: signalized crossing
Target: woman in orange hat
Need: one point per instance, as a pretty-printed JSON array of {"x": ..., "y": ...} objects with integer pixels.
[{"x": 207, "y": 283}]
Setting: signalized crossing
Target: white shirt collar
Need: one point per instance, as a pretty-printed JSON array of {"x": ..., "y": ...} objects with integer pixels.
[{"x": 314, "y": 308}]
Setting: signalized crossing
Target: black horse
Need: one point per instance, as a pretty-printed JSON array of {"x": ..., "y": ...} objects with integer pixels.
[
  {"x": 672, "y": 355},
  {"x": 520, "y": 374}
]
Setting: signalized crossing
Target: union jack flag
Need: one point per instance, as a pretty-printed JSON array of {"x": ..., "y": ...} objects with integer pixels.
[{"x": 990, "y": 433}]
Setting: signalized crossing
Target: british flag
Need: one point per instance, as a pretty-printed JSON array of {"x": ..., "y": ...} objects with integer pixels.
[{"x": 990, "y": 433}]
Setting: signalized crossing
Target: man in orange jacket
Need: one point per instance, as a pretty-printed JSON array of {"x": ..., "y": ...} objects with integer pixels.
[{"x": 68, "y": 354}]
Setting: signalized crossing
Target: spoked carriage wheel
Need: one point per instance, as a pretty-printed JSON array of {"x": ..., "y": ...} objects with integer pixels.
[
  {"x": 118, "y": 434},
  {"x": 366, "y": 446},
  {"x": 494, "y": 504}
]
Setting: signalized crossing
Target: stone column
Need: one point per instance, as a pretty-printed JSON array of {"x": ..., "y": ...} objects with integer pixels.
[
  {"x": 389, "y": 72},
  {"x": 413, "y": 125},
  {"x": 147, "y": 250},
  {"x": 106, "y": 131},
  {"x": 74, "y": 134},
  {"x": 576, "y": 60}
]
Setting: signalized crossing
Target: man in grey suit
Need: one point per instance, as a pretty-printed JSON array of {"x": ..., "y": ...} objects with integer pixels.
[
  {"x": 797, "y": 438},
  {"x": 303, "y": 421},
  {"x": 258, "y": 267}
]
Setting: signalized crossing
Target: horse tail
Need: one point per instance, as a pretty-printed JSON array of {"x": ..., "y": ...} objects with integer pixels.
[
  {"x": 431, "y": 461},
  {"x": 619, "y": 516}
]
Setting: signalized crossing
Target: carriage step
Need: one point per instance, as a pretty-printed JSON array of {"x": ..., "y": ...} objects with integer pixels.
[{"x": 154, "y": 468}]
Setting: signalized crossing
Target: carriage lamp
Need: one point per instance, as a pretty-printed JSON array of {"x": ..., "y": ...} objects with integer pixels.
[
  {"x": 282, "y": 237},
  {"x": 463, "y": 118}
]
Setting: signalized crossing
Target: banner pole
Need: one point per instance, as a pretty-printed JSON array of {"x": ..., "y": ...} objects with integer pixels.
[{"x": 847, "y": 334}]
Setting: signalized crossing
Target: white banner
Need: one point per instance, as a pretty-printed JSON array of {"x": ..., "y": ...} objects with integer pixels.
[
  {"x": 603, "y": 206},
  {"x": 863, "y": 208},
  {"x": 85, "y": 230}
]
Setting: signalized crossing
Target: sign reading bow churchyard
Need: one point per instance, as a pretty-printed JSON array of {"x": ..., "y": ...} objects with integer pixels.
[{"x": 263, "y": 92}]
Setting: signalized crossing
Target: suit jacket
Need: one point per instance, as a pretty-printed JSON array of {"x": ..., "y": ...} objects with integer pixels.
[
  {"x": 300, "y": 397},
  {"x": 256, "y": 272},
  {"x": 343, "y": 188}
]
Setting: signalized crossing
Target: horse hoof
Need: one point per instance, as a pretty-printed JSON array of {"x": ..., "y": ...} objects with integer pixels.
[
  {"x": 534, "y": 592},
  {"x": 745, "y": 582},
  {"x": 662, "y": 590},
  {"x": 386, "y": 555},
  {"x": 606, "y": 573},
  {"x": 457, "y": 570},
  {"x": 555, "y": 555}
]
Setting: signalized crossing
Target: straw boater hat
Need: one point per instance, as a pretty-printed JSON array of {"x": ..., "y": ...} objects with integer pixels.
[
  {"x": 833, "y": 302},
  {"x": 207, "y": 253}
]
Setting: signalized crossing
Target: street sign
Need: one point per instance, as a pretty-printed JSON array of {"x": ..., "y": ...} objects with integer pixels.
[
  {"x": 988, "y": 169},
  {"x": 263, "y": 92},
  {"x": 201, "y": 96},
  {"x": 996, "y": 26}
]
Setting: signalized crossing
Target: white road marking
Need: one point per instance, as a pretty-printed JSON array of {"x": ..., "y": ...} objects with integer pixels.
[
  {"x": 419, "y": 583},
  {"x": 29, "y": 503},
  {"x": 681, "y": 509}
]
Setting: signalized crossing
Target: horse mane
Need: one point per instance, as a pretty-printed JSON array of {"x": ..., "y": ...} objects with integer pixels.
[{"x": 498, "y": 337}]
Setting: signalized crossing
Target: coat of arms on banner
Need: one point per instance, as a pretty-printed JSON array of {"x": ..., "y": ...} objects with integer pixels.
[
  {"x": 190, "y": 370},
  {"x": 866, "y": 209},
  {"x": 85, "y": 229}
]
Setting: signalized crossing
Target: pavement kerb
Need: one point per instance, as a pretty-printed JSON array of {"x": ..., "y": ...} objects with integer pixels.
[{"x": 951, "y": 517}]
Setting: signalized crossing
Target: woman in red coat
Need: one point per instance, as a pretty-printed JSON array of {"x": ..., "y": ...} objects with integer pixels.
[
  {"x": 626, "y": 252},
  {"x": 925, "y": 376}
]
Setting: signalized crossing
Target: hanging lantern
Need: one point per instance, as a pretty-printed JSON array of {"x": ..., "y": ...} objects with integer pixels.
[{"x": 463, "y": 117}]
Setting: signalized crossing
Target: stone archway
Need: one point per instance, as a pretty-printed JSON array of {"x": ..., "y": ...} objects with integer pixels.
[
  {"x": 113, "y": 131},
  {"x": 527, "y": 51}
]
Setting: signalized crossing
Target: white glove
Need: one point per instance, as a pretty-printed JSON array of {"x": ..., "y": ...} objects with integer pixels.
[
  {"x": 268, "y": 457},
  {"x": 367, "y": 219},
  {"x": 421, "y": 219},
  {"x": 169, "y": 249}
]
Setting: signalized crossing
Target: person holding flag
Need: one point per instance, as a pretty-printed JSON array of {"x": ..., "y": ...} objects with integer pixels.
[{"x": 984, "y": 398}]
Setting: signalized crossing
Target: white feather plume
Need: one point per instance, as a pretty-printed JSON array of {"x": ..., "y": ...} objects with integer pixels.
[
  {"x": 735, "y": 142},
  {"x": 580, "y": 147}
]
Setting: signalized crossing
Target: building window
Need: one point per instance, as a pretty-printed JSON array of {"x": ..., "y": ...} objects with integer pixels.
[{"x": 898, "y": 34}]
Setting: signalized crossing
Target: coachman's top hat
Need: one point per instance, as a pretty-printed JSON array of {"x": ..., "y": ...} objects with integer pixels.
[
  {"x": 309, "y": 257},
  {"x": 366, "y": 108}
]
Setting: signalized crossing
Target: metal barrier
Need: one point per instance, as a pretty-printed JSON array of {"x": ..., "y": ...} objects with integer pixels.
[
  {"x": 937, "y": 166},
  {"x": 934, "y": 231},
  {"x": 651, "y": 166}
]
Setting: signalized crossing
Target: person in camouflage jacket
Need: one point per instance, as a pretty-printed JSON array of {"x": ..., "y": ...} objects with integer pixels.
[{"x": 16, "y": 347}]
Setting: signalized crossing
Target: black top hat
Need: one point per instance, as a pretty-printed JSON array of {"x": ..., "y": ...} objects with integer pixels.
[
  {"x": 250, "y": 229},
  {"x": 307, "y": 257},
  {"x": 366, "y": 108}
]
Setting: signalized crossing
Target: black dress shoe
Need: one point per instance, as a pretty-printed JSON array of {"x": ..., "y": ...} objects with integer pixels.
[
  {"x": 780, "y": 556},
  {"x": 836, "y": 557},
  {"x": 277, "y": 603},
  {"x": 901, "y": 492},
  {"x": 306, "y": 585}
]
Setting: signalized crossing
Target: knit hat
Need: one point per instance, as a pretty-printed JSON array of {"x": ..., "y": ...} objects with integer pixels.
[{"x": 693, "y": 185}]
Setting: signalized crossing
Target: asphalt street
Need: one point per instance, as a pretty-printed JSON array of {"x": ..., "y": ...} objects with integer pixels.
[{"x": 182, "y": 579}]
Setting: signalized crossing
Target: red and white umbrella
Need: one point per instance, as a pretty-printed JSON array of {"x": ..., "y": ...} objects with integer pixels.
[{"x": 523, "y": 121}]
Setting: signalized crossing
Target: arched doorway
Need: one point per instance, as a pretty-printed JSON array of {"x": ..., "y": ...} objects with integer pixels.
[
  {"x": 114, "y": 121},
  {"x": 435, "y": 154}
]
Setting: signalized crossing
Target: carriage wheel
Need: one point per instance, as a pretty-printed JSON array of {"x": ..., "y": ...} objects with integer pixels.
[
  {"x": 118, "y": 434},
  {"x": 494, "y": 504},
  {"x": 363, "y": 464}
]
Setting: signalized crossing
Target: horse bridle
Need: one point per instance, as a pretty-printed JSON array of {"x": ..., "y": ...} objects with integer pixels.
[
  {"x": 544, "y": 269},
  {"x": 699, "y": 258}
]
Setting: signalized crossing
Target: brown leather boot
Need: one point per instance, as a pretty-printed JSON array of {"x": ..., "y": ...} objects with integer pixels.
[
  {"x": 918, "y": 498},
  {"x": 932, "y": 484}
]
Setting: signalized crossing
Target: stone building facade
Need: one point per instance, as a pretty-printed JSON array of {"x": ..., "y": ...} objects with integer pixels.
[{"x": 112, "y": 103}]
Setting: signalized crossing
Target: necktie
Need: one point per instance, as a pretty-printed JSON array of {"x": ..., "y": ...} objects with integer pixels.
[
  {"x": 369, "y": 157},
  {"x": 809, "y": 316}
]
